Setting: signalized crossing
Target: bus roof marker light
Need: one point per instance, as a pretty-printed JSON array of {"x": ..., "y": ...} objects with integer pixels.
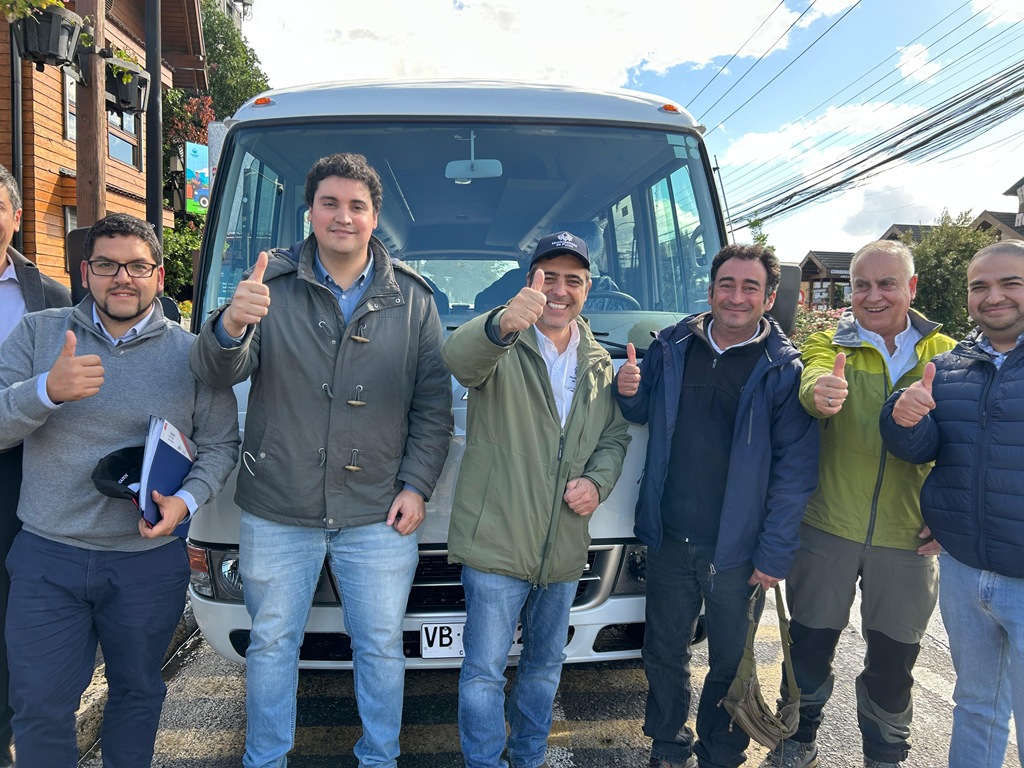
[
  {"x": 670, "y": 108},
  {"x": 263, "y": 101}
]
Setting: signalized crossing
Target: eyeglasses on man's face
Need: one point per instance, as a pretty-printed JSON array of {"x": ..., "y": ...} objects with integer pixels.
[{"x": 107, "y": 268}]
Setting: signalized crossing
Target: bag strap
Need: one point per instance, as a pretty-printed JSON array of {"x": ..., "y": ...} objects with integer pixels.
[{"x": 747, "y": 670}]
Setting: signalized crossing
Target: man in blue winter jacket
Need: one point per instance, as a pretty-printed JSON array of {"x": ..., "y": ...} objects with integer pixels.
[
  {"x": 732, "y": 459},
  {"x": 967, "y": 415}
]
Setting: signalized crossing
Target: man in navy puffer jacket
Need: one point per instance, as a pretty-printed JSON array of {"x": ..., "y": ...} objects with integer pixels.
[{"x": 967, "y": 415}]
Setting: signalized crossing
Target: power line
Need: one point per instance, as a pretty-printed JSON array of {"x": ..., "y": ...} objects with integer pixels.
[
  {"x": 783, "y": 71},
  {"x": 953, "y": 122},
  {"x": 760, "y": 58},
  {"x": 725, "y": 66},
  {"x": 831, "y": 138}
]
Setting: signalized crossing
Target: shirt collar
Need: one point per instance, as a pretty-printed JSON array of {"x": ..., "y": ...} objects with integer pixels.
[
  {"x": 876, "y": 340},
  {"x": 132, "y": 332},
  {"x": 9, "y": 273},
  {"x": 720, "y": 350},
  {"x": 986, "y": 345},
  {"x": 325, "y": 278}
]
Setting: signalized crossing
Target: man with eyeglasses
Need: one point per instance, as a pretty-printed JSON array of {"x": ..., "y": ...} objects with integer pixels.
[{"x": 77, "y": 384}]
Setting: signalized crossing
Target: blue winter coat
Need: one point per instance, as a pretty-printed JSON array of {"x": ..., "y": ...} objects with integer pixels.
[
  {"x": 973, "y": 500},
  {"x": 773, "y": 464}
]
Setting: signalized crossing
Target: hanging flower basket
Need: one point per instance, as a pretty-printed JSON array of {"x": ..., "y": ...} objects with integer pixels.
[
  {"x": 127, "y": 87},
  {"x": 48, "y": 36}
]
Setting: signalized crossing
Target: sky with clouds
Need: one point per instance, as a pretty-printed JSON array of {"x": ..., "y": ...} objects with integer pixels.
[{"x": 783, "y": 86}]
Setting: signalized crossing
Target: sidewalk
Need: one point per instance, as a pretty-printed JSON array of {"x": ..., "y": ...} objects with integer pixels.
[{"x": 90, "y": 714}]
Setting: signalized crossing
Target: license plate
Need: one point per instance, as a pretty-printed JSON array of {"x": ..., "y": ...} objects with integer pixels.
[{"x": 444, "y": 641}]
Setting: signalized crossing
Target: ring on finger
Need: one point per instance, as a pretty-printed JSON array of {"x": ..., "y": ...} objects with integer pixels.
[{"x": 829, "y": 401}]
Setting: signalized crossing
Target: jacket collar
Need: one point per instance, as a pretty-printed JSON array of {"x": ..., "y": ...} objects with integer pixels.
[
  {"x": 778, "y": 348},
  {"x": 299, "y": 259},
  {"x": 846, "y": 334}
]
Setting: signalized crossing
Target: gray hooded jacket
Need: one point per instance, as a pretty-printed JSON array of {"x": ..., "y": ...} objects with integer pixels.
[{"x": 340, "y": 415}]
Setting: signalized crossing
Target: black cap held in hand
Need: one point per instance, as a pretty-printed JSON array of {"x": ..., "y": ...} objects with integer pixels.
[{"x": 116, "y": 471}]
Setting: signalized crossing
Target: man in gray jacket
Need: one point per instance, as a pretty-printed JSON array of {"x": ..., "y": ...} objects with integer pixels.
[
  {"x": 347, "y": 429},
  {"x": 23, "y": 289},
  {"x": 76, "y": 384}
]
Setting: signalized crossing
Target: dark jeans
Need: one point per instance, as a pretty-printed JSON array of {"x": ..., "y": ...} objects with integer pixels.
[
  {"x": 10, "y": 492},
  {"x": 63, "y": 601},
  {"x": 679, "y": 578}
]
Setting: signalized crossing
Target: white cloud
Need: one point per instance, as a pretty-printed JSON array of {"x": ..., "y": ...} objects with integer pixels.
[
  {"x": 913, "y": 63},
  {"x": 595, "y": 43},
  {"x": 1000, "y": 11}
]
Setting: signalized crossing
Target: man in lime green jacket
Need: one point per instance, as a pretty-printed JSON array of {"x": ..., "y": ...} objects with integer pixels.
[
  {"x": 863, "y": 524},
  {"x": 545, "y": 442}
]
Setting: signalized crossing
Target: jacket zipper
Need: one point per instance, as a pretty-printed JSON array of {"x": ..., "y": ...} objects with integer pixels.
[
  {"x": 979, "y": 453},
  {"x": 881, "y": 465}
]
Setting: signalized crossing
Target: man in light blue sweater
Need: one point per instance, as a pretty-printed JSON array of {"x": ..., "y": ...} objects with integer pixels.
[{"x": 76, "y": 384}]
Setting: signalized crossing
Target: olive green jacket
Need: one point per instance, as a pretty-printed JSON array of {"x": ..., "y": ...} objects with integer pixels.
[
  {"x": 864, "y": 493},
  {"x": 508, "y": 516}
]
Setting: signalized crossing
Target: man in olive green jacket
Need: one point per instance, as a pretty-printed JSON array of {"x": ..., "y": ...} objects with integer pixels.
[
  {"x": 545, "y": 443},
  {"x": 863, "y": 525}
]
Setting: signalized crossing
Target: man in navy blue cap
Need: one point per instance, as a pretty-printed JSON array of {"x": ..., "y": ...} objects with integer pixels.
[{"x": 545, "y": 444}]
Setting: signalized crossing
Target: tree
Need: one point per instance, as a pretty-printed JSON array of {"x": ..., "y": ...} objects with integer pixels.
[
  {"x": 179, "y": 243},
  {"x": 941, "y": 260},
  {"x": 234, "y": 67}
]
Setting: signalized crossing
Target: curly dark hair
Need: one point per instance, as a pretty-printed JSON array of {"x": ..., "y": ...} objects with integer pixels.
[
  {"x": 127, "y": 225},
  {"x": 765, "y": 255},
  {"x": 346, "y": 165}
]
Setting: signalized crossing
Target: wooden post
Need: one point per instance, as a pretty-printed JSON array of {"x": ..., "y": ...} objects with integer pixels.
[{"x": 91, "y": 123}]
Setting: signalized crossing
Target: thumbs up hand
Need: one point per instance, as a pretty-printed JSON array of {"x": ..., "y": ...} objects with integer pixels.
[
  {"x": 830, "y": 390},
  {"x": 525, "y": 308},
  {"x": 73, "y": 378},
  {"x": 251, "y": 301},
  {"x": 628, "y": 378},
  {"x": 916, "y": 402}
]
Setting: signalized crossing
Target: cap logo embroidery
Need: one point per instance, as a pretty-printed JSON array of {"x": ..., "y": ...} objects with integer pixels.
[{"x": 566, "y": 239}]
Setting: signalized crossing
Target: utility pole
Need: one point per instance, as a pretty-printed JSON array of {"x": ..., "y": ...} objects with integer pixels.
[
  {"x": 91, "y": 123},
  {"x": 154, "y": 122}
]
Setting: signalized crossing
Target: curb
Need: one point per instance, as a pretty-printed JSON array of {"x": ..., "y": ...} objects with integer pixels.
[{"x": 89, "y": 718}]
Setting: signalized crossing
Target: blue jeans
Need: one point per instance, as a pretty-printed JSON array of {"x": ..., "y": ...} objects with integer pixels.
[
  {"x": 679, "y": 578},
  {"x": 983, "y": 617},
  {"x": 63, "y": 601},
  {"x": 280, "y": 565},
  {"x": 494, "y": 605}
]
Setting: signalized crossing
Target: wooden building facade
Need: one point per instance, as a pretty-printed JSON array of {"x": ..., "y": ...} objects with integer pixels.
[{"x": 46, "y": 102}]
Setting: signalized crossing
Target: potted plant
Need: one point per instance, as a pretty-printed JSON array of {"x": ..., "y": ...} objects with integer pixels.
[
  {"x": 45, "y": 32},
  {"x": 127, "y": 84}
]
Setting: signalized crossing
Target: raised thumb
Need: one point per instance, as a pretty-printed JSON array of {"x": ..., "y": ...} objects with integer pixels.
[
  {"x": 70, "y": 344},
  {"x": 630, "y": 353},
  {"x": 839, "y": 369},
  {"x": 928, "y": 377},
  {"x": 260, "y": 268},
  {"x": 538, "y": 280}
]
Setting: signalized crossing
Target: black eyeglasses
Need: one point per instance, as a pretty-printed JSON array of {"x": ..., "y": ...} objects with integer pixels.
[{"x": 107, "y": 268}]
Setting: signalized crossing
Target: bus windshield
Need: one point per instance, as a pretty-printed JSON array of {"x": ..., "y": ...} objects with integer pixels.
[{"x": 466, "y": 202}]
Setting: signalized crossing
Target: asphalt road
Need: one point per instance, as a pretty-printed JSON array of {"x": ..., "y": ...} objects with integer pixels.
[{"x": 598, "y": 712}]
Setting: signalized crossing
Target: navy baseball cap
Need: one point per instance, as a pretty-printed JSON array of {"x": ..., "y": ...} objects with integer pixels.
[{"x": 559, "y": 243}]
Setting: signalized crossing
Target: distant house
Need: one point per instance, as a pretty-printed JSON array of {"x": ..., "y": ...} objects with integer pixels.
[
  {"x": 825, "y": 279},
  {"x": 916, "y": 232},
  {"x": 1005, "y": 225}
]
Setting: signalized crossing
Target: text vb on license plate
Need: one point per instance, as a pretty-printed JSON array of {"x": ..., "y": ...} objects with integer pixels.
[{"x": 444, "y": 641}]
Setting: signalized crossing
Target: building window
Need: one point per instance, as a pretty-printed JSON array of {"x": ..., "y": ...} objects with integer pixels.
[{"x": 124, "y": 132}]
